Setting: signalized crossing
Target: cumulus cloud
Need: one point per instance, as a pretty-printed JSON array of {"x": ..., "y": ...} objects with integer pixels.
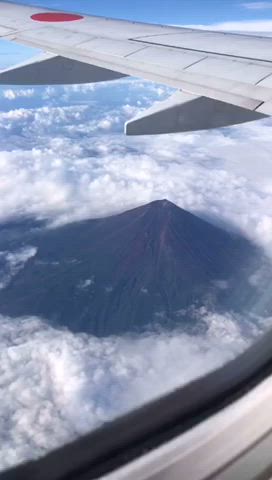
[
  {"x": 59, "y": 385},
  {"x": 66, "y": 166},
  {"x": 12, "y": 94}
]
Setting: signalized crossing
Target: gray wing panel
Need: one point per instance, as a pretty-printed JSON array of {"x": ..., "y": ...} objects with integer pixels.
[
  {"x": 184, "y": 112},
  {"x": 48, "y": 69}
]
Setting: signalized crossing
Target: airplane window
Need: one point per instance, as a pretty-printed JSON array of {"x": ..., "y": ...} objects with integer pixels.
[{"x": 129, "y": 265}]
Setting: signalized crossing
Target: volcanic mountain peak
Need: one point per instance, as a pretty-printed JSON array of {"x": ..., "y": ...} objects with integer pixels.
[
  {"x": 164, "y": 203},
  {"x": 157, "y": 205},
  {"x": 125, "y": 272},
  {"x": 161, "y": 212},
  {"x": 160, "y": 218}
]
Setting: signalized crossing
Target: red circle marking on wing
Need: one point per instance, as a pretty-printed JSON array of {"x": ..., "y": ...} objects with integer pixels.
[{"x": 55, "y": 17}]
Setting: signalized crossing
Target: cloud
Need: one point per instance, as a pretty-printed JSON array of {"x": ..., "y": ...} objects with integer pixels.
[
  {"x": 12, "y": 262},
  {"x": 58, "y": 385},
  {"x": 254, "y": 26},
  {"x": 69, "y": 167},
  {"x": 257, "y": 5},
  {"x": 12, "y": 94},
  {"x": 72, "y": 162}
]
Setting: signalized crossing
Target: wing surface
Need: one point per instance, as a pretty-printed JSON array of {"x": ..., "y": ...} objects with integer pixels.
[{"x": 225, "y": 68}]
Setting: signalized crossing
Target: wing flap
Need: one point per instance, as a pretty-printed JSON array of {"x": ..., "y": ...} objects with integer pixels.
[
  {"x": 49, "y": 69},
  {"x": 184, "y": 112}
]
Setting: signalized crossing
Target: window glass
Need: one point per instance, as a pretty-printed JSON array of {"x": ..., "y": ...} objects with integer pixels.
[{"x": 128, "y": 265}]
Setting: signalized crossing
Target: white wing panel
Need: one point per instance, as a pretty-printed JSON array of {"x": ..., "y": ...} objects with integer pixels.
[
  {"x": 241, "y": 46},
  {"x": 5, "y": 31},
  {"x": 235, "y": 76},
  {"x": 117, "y": 29},
  {"x": 177, "y": 59},
  {"x": 107, "y": 46},
  {"x": 265, "y": 108},
  {"x": 266, "y": 82},
  {"x": 251, "y": 91},
  {"x": 232, "y": 70},
  {"x": 52, "y": 36},
  {"x": 18, "y": 21}
]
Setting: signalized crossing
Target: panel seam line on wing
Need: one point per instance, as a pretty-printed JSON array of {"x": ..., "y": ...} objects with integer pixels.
[
  {"x": 264, "y": 78},
  {"x": 228, "y": 55},
  {"x": 258, "y": 106},
  {"x": 136, "y": 51},
  {"x": 196, "y": 62}
]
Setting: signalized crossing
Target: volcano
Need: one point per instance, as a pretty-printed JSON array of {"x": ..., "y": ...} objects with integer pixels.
[{"x": 152, "y": 265}]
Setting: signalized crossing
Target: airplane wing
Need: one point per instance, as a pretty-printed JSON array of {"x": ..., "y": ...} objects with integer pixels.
[{"x": 221, "y": 78}]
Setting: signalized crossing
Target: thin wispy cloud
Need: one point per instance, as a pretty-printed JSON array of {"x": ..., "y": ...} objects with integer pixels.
[
  {"x": 253, "y": 27},
  {"x": 257, "y": 5}
]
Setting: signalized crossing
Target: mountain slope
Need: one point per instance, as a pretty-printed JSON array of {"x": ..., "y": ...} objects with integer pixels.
[{"x": 125, "y": 272}]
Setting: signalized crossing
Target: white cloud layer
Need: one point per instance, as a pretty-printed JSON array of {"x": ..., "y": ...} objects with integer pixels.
[
  {"x": 58, "y": 385},
  {"x": 72, "y": 162}
]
